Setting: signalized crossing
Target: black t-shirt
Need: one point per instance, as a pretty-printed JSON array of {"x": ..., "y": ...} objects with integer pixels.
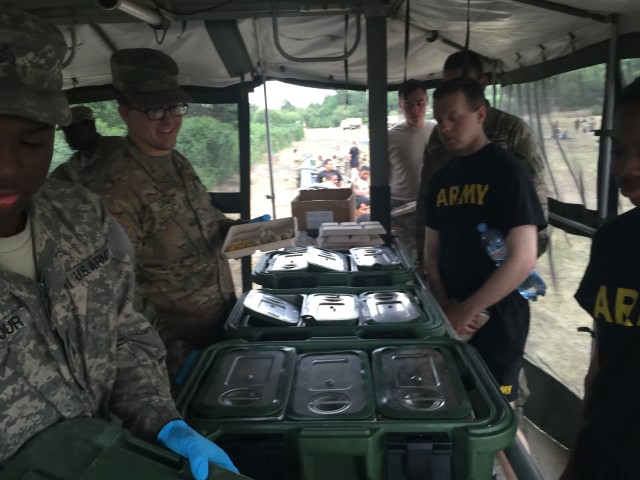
[
  {"x": 610, "y": 292},
  {"x": 354, "y": 152},
  {"x": 489, "y": 186}
]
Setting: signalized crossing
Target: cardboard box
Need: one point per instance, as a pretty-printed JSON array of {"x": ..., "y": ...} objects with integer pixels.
[
  {"x": 251, "y": 233},
  {"x": 311, "y": 208}
]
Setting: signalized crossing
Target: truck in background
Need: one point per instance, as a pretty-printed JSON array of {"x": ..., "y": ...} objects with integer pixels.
[{"x": 351, "y": 123}]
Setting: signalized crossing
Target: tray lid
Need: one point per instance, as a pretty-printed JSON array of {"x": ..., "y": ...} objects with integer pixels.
[
  {"x": 418, "y": 383},
  {"x": 327, "y": 260},
  {"x": 330, "y": 308},
  {"x": 271, "y": 308},
  {"x": 288, "y": 262},
  {"x": 247, "y": 382},
  {"x": 376, "y": 258},
  {"x": 390, "y": 307},
  {"x": 332, "y": 386}
]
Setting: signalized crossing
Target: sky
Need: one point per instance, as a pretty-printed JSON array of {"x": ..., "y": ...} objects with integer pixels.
[{"x": 277, "y": 92}]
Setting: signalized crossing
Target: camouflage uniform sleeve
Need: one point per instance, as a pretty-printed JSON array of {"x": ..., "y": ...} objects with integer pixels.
[
  {"x": 528, "y": 150},
  {"x": 435, "y": 157},
  {"x": 141, "y": 395},
  {"x": 126, "y": 214}
]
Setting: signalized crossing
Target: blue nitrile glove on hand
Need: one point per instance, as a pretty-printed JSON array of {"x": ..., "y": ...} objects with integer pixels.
[{"x": 185, "y": 441}]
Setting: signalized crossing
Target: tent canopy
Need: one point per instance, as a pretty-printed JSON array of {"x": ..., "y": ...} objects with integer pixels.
[{"x": 222, "y": 43}]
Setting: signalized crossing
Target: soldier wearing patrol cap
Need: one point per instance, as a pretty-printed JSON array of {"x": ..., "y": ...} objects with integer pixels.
[
  {"x": 71, "y": 344},
  {"x": 91, "y": 147},
  {"x": 154, "y": 193}
]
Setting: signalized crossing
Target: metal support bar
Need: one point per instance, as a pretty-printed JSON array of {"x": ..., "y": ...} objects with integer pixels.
[
  {"x": 244, "y": 134},
  {"x": 378, "y": 142},
  {"x": 604, "y": 163},
  {"x": 566, "y": 9},
  {"x": 521, "y": 461}
]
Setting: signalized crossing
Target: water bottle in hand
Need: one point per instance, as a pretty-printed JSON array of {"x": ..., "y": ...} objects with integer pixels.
[{"x": 495, "y": 245}]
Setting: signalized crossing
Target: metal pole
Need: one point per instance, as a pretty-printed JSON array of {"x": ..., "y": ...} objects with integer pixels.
[
  {"x": 378, "y": 142},
  {"x": 272, "y": 194},
  {"x": 604, "y": 177}
]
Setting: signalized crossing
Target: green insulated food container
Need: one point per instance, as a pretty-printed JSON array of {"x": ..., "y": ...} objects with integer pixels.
[
  {"x": 315, "y": 267},
  {"x": 355, "y": 409},
  {"x": 92, "y": 449},
  {"x": 401, "y": 311}
]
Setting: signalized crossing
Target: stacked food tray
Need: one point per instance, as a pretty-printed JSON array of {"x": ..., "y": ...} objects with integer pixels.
[
  {"x": 350, "y": 409},
  {"x": 402, "y": 311},
  {"x": 314, "y": 267}
]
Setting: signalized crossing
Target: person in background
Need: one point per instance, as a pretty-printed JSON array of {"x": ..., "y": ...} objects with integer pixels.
[
  {"x": 407, "y": 141},
  {"x": 362, "y": 206},
  {"x": 72, "y": 344},
  {"x": 154, "y": 193},
  {"x": 81, "y": 135},
  {"x": 482, "y": 183},
  {"x": 607, "y": 445},
  {"x": 501, "y": 128},
  {"x": 329, "y": 174},
  {"x": 361, "y": 184},
  {"x": 354, "y": 160}
]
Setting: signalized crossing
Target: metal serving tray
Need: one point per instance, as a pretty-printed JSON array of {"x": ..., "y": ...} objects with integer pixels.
[
  {"x": 248, "y": 382},
  {"x": 330, "y": 309},
  {"x": 326, "y": 260},
  {"x": 415, "y": 379},
  {"x": 271, "y": 309},
  {"x": 288, "y": 262},
  {"x": 337, "y": 384},
  {"x": 390, "y": 307},
  {"x": 375, "y": 258}
]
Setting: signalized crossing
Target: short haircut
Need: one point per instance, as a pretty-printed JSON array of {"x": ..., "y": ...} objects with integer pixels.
[
  {"x": 465, "y": 60},
  {"x": 360, "y": 199},
  {"x": 472, "y": 90},
  {"x": 328, "y": 160},
  {"x": 629, "y": 95},
  {"x": 410, "y": 86},
  {"x": 364, "y": 167}
]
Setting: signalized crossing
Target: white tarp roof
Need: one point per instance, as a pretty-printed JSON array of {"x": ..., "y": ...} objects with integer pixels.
[{"x": 511, "y": 33}]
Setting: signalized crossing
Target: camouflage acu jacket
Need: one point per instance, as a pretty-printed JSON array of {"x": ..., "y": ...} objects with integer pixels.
[
  {"x": 510, "y": 133},
  {"x": 82, "y": 166},
  {"x": 177, "y": 237},
  {"x": 70, "y": 343}
]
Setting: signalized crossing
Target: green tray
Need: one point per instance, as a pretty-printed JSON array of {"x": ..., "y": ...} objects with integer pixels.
[
  {"x": 476, "y": 424},
  {"x": 353, "y": 278},
  {"x": 93, "y": 449},
  {"x": 432, "y": 322}
]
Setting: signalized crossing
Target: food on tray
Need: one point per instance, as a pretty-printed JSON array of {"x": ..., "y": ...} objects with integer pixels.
[{"x": 267, "y": 236}]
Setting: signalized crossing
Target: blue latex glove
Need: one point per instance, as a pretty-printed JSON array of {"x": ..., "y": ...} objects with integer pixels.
[{"x": 183, "y": 440}]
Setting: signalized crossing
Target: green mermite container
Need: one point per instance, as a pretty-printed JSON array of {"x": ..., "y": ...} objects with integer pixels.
[
  {"x": 402, "y": 311},
  {"x": 92, "y": 449},
  {"x": 290, "y": 269},
  {"x": 350, "y": 409}
]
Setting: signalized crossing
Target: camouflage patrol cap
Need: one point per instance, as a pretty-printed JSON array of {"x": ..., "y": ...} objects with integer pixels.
[
  {"x": 147, "y": 78},
  {"x": 31, "y": 54},
  {"x": 79, "y": 113}
]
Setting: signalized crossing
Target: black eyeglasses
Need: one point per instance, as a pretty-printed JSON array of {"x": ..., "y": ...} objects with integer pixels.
[{"x": 159, "y": 113}]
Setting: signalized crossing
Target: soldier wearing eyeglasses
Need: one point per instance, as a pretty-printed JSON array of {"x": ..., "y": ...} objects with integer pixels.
[{"x": 184, "y": 282}]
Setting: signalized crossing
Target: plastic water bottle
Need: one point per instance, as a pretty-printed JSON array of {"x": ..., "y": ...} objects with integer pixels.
[{"x": 496, "y": 247}]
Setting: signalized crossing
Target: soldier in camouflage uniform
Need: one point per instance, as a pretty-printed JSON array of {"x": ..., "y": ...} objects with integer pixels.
[
  {"x": 155, "y": 194},
  {"x": 71, "y": 344},
  {"x": 503, "y": 129},
  {"x": 90, "y": 146}
]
